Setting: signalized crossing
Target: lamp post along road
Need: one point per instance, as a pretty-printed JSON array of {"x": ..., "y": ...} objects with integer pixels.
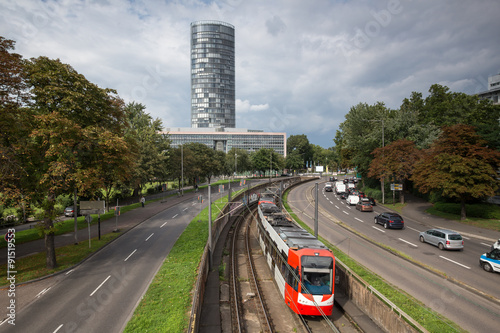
[{"x": 383, "y": 145}]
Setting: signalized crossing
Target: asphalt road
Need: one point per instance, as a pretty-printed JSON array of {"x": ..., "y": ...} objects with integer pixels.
[
  {"x": 101, "y": 294},
  {"x": 472, "y": 312}
]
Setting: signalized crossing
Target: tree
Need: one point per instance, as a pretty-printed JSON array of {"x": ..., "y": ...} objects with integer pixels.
[
  {"x": 460, "y": 165},
  {"x": 242, "y": 162},
  {"x": 152, "y": 147},
  {"x": 74, "y": 127},
  {"x": 13, "y": 98},
  {"x": 365, "y": 128},
  {"x": 395, "y": 161},
  {"x": 298, "y": 147},
  {"x": 266, "y": 159}
]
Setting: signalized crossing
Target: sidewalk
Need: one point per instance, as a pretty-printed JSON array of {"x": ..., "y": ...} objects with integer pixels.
[{"x": 124, "y": 222}]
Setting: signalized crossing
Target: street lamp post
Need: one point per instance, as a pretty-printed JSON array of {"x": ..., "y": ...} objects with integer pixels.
[
  {"x": 383, "y": 145},
  {"x": 182, "y": 171}
]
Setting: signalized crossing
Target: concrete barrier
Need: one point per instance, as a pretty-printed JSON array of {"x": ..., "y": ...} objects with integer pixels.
[{"x": 382, "y": 311}]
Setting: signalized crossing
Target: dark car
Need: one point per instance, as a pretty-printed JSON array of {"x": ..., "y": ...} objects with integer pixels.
[
  {"x": 372, "y": 201},
  {"x": 344, "y": 195},
  {"x": 390, "y": 220},
  {"x": 333, "y": 179}
]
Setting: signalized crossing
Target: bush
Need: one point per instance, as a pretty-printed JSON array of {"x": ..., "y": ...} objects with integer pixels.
[{"x": 484, "y": 211}]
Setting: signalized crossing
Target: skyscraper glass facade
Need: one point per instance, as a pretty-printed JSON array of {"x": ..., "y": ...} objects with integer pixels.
[{"x": 212, "y": 75}]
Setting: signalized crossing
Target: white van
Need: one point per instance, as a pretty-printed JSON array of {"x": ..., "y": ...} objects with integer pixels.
[
  {"x": 352, "y": 200},
  {"x": 340, "y": 188}
]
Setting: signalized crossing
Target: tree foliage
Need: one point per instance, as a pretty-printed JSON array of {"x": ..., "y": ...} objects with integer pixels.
[
  {"x": 395, "y": 161},
  {"x": 266, "y": 160},
  {"x": 151, "y": 147},
  {"x": 459, "y": 165},
  {"x": 13, "y": 98}
]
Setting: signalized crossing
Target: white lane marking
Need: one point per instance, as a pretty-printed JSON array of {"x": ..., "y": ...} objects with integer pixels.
[
  {"x": 407, "y": 242},
  {"x": 42, "y": 292},
  {"x": 454, "y": 262},
  {"x": 175, "y": 216},
  {"x": 57, "y": 329},
  {"x": 378, "y": 229},
  {"x": 130, "y": 255},
  {"x": 184, "y": 209},
  {"x": 103, "y": 282},
  {"x": 465, "y": 237},
  {"x": 360, "y": 220},
  {"x": 194, "y": 203},
  {"x": 149, "y": 237},
  {"x": 488, "y": 245},
  {"x": 69, "y": 272},
  {"x": 413, "y": 229},
  {"x": 337, "y": 207},
  {"x": 345, "y": 212},
  {"x": 163, "y": 225}
]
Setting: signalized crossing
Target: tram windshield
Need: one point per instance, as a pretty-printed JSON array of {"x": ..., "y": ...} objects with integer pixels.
[{"x": 317, "y": 275}]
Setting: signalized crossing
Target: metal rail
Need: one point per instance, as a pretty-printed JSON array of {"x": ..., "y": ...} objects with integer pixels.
[
  {"x": 237, "y": 320},
  {"x": 262, "y": 311}
]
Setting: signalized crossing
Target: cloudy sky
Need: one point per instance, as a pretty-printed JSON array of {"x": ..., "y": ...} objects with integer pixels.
[{"x": 300, "y": 65}]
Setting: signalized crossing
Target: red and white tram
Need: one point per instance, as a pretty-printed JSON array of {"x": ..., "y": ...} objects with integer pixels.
[{"x": 302, "y": 266}]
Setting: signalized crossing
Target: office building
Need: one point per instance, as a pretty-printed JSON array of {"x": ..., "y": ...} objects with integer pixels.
[
  {"x": 493, "y": 92},
  {"x": 223, "y": 139},
  {"x": 212, "y": 75}
]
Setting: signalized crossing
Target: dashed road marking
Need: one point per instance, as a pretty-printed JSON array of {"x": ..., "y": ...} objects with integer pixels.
[
  {"x": 453, "y": 261},
  {"x": 407, "y": 242}
]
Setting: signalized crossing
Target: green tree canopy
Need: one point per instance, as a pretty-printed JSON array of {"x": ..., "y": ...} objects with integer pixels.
[
  {"x": 459, "y": 165},
  {"x": 152, "y": 147},
  {"x": 74, "y": 127},
  {"x": 395, "y": 161},
  {"x": 266, "y": 159}
]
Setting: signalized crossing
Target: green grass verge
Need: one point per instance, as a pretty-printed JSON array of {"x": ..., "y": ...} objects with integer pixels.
[
  {"x": 491, "y": 224},
  {"x": 431, "y": 320}
]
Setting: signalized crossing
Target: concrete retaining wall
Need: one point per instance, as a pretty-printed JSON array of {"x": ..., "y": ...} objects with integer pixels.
[{"x": 385, "y": 314}]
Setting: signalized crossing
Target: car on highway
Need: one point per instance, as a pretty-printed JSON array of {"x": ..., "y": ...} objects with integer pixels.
[
  {"x": 343, "y": 195},
  {"x": 443, "y": 239},
  {"x": 329, "y": 187},
  {"x": 490, "y": 261},
  {"x": 69, "y": 211},
  {"x": 364, "y": 206},
  {"x": 390, "y": 220},
  {"x": 352, "y": 199},
  {"x": 495, "y": 245},
  {"x": 372, "y": 201}
]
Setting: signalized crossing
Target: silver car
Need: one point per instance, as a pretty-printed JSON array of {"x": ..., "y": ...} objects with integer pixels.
[{"x": 443, "y": 239}]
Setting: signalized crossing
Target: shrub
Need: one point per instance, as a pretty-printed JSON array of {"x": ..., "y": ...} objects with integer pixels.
[{"x": 485, "y": 211}]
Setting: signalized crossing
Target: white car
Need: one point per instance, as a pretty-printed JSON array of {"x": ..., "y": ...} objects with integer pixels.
[
  {"x": 496, "y": 245},
  {"x": 490, "y": 261},
  {"x": 352, "y": 200}
]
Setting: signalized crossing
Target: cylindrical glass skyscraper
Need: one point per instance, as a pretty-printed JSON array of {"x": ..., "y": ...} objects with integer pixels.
[{"x": 212, "y": 75}]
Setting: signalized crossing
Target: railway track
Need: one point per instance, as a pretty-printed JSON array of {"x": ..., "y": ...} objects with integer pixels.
[
  {"x": 249, "y": 310},
  {"x": 256, "y": 305}
]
